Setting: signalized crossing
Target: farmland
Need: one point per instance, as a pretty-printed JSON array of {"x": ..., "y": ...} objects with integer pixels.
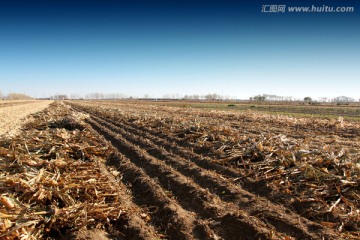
[
  {"x": 12, "y": 113},
  {"x": 300, "y": 109},
  {"x": 150, "y": 170}
]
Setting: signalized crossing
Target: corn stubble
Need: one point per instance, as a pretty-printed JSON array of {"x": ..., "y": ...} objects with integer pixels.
[
  {"x": 51, "y": 179},
  {"x": 309, "y": 164},
  {"x": 249, "y": 175}
]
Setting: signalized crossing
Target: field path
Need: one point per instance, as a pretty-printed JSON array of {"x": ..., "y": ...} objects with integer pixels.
[{"x": 14, "y": 114}]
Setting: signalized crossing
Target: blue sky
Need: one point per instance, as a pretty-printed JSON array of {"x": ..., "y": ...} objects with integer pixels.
[{"x": 185, "y": 47}]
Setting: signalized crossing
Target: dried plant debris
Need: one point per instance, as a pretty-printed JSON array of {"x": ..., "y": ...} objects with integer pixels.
[
  {"x": 51, "y": 181},
  {"x": 178, "y": 173},
  {"x": 309, "y": 165}
]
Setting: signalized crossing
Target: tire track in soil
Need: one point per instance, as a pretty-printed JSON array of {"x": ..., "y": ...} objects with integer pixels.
[
  {"x": 228, "y": 222},
  {"x": 279, "y": 218}
]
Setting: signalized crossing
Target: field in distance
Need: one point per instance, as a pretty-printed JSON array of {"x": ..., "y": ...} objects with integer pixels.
[{"x": 349, "y": 111}]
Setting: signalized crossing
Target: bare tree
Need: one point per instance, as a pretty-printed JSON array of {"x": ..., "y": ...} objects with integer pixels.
[
  {"x": 212, "y": 96},
  {"x": 307, "y": 99},
  {"x": 60, "y": 97},
  {"x": 18, "y": 96},
  {"x": 258, "y": 98},
  {"x": 343, "y": 99}
]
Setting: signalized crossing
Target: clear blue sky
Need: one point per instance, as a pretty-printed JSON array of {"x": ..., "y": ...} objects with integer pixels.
[{"x": 185, "y": 47}]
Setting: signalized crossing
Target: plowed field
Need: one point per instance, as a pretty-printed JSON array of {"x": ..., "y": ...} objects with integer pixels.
[{"x": 199, "y": 174}]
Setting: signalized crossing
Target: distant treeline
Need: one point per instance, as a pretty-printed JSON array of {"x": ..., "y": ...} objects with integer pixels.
[
  {"x": 269, "y": 97},
  {"x": 90, "y": 96},
  {"x": 15, "y": 96},
  {"x": 208, "y": 97}
]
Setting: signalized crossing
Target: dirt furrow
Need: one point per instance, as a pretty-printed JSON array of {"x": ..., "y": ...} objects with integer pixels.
[
  {"x": 195, "y": 154},
  {"x": 288, "y": 208},
  {"x": 285, "y": 207},
  {"x": 190, "y": 195},
  {"x": 189, "y": 160},
  {"x": 281, "y": 219},
  {"x": 174, "y": 221},
  {"x": 136, "y": 227},
  {"x": 177, "y": 146}
]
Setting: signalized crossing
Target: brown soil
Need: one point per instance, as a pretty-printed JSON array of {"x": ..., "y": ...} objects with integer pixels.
[
  {"x": 13, "y": 114},
  {"x": 168, "y": 183},
  {"x": 198, "y": 186}
]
